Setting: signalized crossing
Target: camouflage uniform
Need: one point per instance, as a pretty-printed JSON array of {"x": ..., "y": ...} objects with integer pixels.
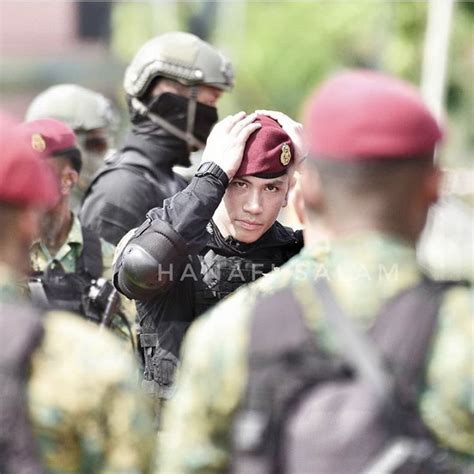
[
  {"x": 85, "y": 408},
  {"x": 363, "y": 271},
  {"x": 68, "y": 255}
]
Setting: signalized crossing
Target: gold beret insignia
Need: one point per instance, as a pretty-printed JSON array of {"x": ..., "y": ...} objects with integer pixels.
[
  {"x": 285, "y": 156},
  {"x": 37, "y": 142}
]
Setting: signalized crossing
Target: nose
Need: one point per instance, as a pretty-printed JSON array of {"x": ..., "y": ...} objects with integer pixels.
[
  {"x": 209, "y": 95},
  {"x": 253, "y": 204}
]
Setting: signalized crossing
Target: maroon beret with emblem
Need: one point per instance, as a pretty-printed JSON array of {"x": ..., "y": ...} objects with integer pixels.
[
  {"x": 24, "y": 178},
  {"x": 268, "y": 152},
  {"x": 50, "y": 137},
  {"x": 364, "y": 114}
]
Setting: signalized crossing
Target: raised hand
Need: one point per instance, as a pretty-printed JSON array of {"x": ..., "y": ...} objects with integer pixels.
[
  {"x": 226, "y": 143},
  {"x": 292, "y": 128}
]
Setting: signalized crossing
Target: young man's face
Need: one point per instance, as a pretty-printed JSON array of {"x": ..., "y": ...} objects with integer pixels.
[{"x": 250, "y": 207}]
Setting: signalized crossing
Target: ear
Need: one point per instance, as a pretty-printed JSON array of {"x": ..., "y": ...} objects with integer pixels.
[
  {"x": 293, "y": 177},
  {"x": 69, "y": 179},
  {"x": 311, "y": 189},
  {"x": 432, "y": 185}
]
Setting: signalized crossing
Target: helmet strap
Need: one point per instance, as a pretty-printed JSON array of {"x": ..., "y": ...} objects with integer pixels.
[
  {"x": 192, "y": 103},
  {"x": 187, "y": 136}
]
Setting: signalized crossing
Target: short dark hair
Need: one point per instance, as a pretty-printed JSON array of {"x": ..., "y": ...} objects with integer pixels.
[{"x": 347, "y": 182}]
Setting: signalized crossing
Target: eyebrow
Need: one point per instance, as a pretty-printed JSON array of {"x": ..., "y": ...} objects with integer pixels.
[{"x": 275, "y": 182}]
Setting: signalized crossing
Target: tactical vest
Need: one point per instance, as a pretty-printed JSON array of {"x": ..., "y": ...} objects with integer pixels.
[
  {"x": 308, "y": 411},
  {"x": 222, "y": 275},
  {"x": 21, "y": 331},
  {"x": 56, "y": 289}
]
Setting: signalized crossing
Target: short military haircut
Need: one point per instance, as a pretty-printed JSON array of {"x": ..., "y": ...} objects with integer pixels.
[{"x": 347, "y": 183}]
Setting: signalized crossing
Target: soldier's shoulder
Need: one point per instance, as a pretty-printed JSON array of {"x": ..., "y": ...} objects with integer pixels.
[
  {"x": 115, "y": 180},
  {"x": 458, "y": 303},
  {"x": 242, "y": 301},
  {"x": 99, "y": 354},
  {"x": 298, "y": 269}
]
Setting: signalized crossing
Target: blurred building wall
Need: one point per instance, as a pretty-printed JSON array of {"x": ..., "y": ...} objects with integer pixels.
[
  {"x": 47, "y": 42},
  {"x": 37, "y": 28}
]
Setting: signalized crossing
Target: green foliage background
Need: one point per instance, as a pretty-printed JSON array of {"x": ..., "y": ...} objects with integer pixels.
[{"x": 281, "y": 50}]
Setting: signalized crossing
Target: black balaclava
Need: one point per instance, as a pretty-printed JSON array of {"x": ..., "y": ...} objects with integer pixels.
[{"x": 173, "y": 109}]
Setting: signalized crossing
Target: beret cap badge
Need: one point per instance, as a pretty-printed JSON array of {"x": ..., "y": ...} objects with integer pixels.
[
  {"x": 285, "y": 156},
  {"x": 37, "y": 142}
]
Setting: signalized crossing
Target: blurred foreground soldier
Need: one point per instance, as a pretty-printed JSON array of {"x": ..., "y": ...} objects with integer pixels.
[
  {"x": 173, "y": 85},
  {"x": 209, "y": 239},
  {"x": 71, "y": 267},
  {"x": 349, "y": 360},
  {"x": 67, "y": 398},
  {"x": 92, "y": 118}
]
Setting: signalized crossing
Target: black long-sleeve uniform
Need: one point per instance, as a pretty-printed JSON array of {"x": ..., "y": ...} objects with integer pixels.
[
  {"x": 136, "y": 179},
  {"x": 177, "y": 265}
]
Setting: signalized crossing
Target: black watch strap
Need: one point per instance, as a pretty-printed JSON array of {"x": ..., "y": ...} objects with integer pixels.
[{"x": 209, "y": 167}]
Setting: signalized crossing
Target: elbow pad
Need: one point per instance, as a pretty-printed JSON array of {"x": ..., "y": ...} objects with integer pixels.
[
  {"x": 138, "y": 271},
  {"x": 150, "y": 262}
]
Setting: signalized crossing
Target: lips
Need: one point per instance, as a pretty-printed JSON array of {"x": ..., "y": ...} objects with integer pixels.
[{"x": 248, "y": 225}]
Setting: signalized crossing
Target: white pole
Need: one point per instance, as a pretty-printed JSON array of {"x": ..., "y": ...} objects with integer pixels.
[{"x": 435, "y": 55}]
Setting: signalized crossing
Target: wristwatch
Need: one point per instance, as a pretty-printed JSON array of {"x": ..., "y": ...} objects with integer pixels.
[{"x": 209, "y": 167}]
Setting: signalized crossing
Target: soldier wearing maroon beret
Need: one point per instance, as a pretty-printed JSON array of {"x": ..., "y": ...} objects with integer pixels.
[
  {"x": 349, "y": 359},
  {"x": 60, "y": 377},
  {"x": 208, "y": 240},
  {"x": 66, "y": 258}
]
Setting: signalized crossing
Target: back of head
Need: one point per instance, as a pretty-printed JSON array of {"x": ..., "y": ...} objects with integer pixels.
[
  {"x": 80, "y": 108},
  {"x": 371, "y": 140},
  {"x": 182, "y": 57}
]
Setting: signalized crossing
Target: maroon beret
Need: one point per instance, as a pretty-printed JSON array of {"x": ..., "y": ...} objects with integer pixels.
[
  {"x": 268, "y": 152},
  {"x": 364, "y": 114},
  {"x": 50, "y": 137},
  {"x": 24, "y": 178}
]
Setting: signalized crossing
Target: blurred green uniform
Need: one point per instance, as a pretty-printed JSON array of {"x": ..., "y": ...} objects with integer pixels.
[
  {"x": 68, "y": 255},
  {"x": 363, "y": 271},
  {"x": 86, "y": 410}
]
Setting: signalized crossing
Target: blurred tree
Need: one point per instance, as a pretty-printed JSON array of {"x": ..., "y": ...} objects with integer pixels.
[
  {"x": 282, "y": 49},
  {"x": 288, "y": 47}
]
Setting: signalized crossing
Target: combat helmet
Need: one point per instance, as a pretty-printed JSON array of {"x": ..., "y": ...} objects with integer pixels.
[
  {"x": 78, "y": 107},
  {"x": 186, "y": 59},
  {"x": 182, "y": 57}
]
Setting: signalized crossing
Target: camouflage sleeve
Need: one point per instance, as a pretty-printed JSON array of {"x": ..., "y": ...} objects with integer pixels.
[
  {"x": 447, "y": 405},
  {"x": 86, "y": 409},
  {"x": 108, "y": 251},
  {"x": 127, "y": 306},
  {"x": 197, "y": 420}
]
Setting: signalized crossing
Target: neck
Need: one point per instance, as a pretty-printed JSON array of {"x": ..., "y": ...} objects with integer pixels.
[
  {"x": 339, "y": 228},
  {"x": 15, "y": 257},
  {"x": 221, "y": 221},
  {"x": 160, "y": 147},
  {"x": 56, "y": 227}
]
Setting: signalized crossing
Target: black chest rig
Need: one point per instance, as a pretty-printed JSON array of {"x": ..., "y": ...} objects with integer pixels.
[
  {"x": 221, "y": 275},
  {"x": 55, "y": 289}
]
